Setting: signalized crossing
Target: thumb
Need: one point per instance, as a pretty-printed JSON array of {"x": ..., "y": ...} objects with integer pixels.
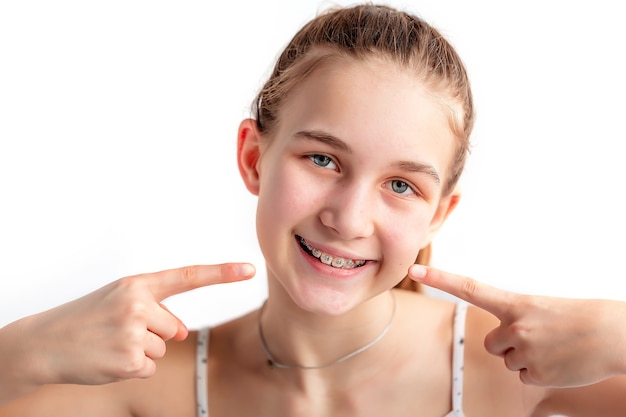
[{"x": 491, "y": 299}]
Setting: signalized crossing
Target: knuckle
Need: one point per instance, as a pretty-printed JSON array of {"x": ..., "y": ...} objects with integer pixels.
[
  {"x": 135, "y": 366},
  {"x": 469, "y": 287},
  {"x": 508, "y": 362},
  {"x": 170, "y": 333},
  {"x": 532, "y": 376},
  {"x": 136, "y": 311},
  {"x": 160, "y": 351},
  {"x": 525, "y": 302},
  {"x": 131, "y": 284},
  {"x": 227, "y": 270},
  {"x": 132, "y": 364},
  {"x": 525, "y": 377},
  {"x": 491, "y": 346},
  {"x": 189, "y": 274},
  {"x": 518, "y": 332}
]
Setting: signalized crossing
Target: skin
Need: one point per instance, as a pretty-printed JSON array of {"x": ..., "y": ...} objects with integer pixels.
[
  {"x": 350, "y": 200},
  {"x": 551, "y": 341},
  {"x": 346, "y": 205},
  {"x": 113, "y": 334}
]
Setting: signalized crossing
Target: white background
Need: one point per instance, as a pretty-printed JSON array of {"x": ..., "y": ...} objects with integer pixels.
[{"x": 118, "y": 124}]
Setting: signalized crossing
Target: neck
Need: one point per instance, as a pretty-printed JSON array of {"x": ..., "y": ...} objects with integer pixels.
[{"x": 294, "y": 339}]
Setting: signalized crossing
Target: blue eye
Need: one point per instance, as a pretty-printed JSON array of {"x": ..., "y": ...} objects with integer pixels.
[
  {"x": 321, "y": 160},
  {"x": 401, "y": 187}
]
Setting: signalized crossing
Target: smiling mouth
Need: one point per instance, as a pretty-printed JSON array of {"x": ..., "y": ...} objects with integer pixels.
[{"x": 334, "y": 261}]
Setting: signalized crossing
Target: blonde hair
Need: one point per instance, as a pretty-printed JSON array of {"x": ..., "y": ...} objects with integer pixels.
[{"x": 366, "y": 31}]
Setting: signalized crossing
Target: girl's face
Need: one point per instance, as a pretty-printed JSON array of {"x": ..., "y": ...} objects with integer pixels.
[{"x": 349, "y": 185}]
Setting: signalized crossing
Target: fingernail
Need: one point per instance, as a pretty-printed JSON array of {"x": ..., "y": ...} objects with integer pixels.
[
  {"x": 245, "y": 270},
  {"x": 417, "y": 271}
]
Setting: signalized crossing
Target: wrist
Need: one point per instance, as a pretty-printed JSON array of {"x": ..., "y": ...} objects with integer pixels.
[
  {"x": 21, "y": 367},
  {"x": 621, "y": 338},
  {"x": 610, "y": 312}
]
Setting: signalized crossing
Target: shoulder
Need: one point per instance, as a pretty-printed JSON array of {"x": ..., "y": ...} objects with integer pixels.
[
  {"x": 480, "y": 362},
  {"x": 421, "y": 317},
  {"x": 234, "y": 344},
  {"x": 418, "y": 302},
  {"x": 489, "y": 385},
  {"x": 480, "y": 322},
  {"x": 172, "y": 387}
]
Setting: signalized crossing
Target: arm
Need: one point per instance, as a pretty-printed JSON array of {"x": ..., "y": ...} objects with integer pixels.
[
  {"x": 113, "y": 334},
  {"x": 557, "y": 342},
  {"x": 605, "y": 398}
]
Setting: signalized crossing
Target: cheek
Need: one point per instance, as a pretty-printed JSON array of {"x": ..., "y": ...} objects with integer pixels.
[
  {"x": 285, "y": 194},
  {"x": 405, "y": 236}
]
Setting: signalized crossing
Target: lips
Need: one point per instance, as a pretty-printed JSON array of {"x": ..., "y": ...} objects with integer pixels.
[{"x": 325, "y": 258}]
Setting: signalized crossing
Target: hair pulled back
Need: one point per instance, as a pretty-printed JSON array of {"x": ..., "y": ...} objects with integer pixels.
[{"x": 366, "y": 31}]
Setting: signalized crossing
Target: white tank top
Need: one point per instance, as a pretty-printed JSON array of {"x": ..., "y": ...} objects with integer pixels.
[{"x": 202, "y": 354}]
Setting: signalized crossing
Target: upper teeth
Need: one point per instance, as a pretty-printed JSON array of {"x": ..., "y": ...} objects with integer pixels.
[{"x": 334, "y": 261}]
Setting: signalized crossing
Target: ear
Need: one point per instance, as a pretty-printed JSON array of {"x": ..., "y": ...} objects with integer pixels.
[
  {"x": 446, "y": 205},
  {"x": 248, "y": 154}
]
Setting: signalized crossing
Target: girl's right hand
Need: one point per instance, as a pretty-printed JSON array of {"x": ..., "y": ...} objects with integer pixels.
[{"x": 111, "y": 334}]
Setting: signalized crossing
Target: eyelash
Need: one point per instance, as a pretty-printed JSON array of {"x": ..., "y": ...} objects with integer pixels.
[{"x": 314, "y": 158}]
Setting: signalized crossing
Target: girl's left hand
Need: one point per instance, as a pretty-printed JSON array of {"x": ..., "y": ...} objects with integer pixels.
[{"x": 557, "y": 342}]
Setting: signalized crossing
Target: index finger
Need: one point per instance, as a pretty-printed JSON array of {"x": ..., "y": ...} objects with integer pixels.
[
  {"x": 175, "y": 281},
  {"x": 491, "y": 299}
]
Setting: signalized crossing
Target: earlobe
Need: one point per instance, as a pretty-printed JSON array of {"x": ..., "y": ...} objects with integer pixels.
[
  {"x": 248, "y": 154},
  {"x": 446, "y": 206}
]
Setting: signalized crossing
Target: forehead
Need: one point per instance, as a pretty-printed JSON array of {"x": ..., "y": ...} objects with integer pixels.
[{"x": 375, "y": 104}]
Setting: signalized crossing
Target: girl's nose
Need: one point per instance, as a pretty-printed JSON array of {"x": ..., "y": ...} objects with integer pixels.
[{"x": 349, "y": 212}]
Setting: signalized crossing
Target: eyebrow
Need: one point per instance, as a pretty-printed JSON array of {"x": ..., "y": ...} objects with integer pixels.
[
  {"x": 334, "y": 142},
  {"x": 329, "y": 140},
  {"x": 420, "y": 168}
]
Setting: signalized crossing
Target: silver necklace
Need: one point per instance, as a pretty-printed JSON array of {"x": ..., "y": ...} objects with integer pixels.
[{"x": 273, "y": 363}]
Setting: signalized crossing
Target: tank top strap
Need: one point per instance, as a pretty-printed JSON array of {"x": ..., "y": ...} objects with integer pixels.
[
  {"x": 458, "y": 358},
  {"x": 202, "y": 354}
]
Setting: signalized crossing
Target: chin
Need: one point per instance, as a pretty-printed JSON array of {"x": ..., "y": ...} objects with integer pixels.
[{"x": 323, "y": 301}]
